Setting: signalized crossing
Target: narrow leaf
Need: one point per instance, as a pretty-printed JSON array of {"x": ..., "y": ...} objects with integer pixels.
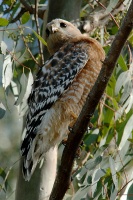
[
  {"x": 127, "y": 131},
  {"x": 113, "y": 171},
  {"x": 122, "y": 80},
  {"x": 93, "y": 163},
  {"x": 25, "y": 17},
  {"x": 3, "y": 47},
  {"x": 23, "y": 82},
  {"x": 111, "y": 5},
  {"x": 122, "y": 63},
  {"x": 28, "y": 90},
  {"x": 7, "y": 73}
]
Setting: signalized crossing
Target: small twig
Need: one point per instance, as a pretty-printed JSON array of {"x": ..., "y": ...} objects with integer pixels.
[
  {"x": 38, "y": 32},
  {"x": 27, "y": 6},
  {"x": 124, "y": 186},
  {"x": 17, "y": 59},
  {"x": 9, "y": 29},
  {"x": 32, "y": 10},
  {"x": 10, "y": 8},
  {"x": 118, "y": 150},
  {"x": 130, "y": 54},
  {"x": 28, "y": 49},
  {"x": 105, "y": 190},
  {"x": 109, "y": 13},
  {"x": 10, "y": 168},
  {"x": 22, "y": 11}
]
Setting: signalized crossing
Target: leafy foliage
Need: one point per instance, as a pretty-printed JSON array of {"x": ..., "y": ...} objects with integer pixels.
[{"x": 104, "y": 167}]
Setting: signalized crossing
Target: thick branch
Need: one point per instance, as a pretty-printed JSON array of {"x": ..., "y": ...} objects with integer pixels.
[{"x": 63, "y": 177}]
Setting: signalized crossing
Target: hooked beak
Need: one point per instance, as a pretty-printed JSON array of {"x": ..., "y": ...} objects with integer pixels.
[{"x": 53, "y": 28}]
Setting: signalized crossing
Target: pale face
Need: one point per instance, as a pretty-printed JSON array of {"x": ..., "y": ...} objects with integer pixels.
[{"x": 59, "y": 32}]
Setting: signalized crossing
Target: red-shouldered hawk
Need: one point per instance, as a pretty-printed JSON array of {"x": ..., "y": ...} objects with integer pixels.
[{"x": 59, "y": 90}]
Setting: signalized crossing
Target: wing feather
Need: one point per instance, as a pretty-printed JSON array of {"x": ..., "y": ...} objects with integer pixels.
[{"x": 51, "y": 82}]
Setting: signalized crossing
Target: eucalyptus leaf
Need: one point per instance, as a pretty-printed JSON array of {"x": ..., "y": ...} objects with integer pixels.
[
  {"x": 92, "y": 163},
  {"x": 113, "y": 171},
  {"x": 122, "y": 80},
  {"x": 25, "y": 17},
  {"x": 7, "y": 72},
  {"x": 3, "y": 47},
  {"x": 23, "y": 106},
  {"x": 127, "y": 131},
  {"x": 3, "y": 22},
  {"x": 111, "y": 5},
  {"x": 23, "y": 83}
]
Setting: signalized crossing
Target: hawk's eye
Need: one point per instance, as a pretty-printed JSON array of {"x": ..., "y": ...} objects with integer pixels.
[
  {"x": 47, "y": 32},
  {"x": 63, "y": 25}
]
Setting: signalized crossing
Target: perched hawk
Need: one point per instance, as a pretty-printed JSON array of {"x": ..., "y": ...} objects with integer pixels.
[{"x": 59, "y": 90}]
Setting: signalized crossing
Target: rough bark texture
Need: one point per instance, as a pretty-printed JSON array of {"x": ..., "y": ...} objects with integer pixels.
[{"x": 63, "y": 177}]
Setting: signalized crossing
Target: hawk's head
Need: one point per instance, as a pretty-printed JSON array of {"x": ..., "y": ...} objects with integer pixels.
[{"x": 59, "y": 32}]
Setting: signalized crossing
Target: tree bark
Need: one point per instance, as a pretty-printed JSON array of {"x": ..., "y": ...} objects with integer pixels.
[{"x": 74, "y": 139}]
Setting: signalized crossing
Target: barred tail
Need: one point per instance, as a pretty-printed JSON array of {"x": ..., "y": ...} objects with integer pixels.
[{"x": 29, "y": 165}]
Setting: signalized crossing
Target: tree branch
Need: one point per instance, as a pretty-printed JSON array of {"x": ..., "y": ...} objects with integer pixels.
[
  {"x": 63, "y": 177},
  {"x": 32, "y": 10},
  {"x": 99, "y": 18}
]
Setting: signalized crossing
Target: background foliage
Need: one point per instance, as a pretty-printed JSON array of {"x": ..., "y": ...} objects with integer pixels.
[{"x": 104, "y": 169}]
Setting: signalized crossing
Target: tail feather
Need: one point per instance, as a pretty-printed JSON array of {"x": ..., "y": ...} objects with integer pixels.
[
  {"x": 33, "y": 155},
  {"x": 28, "y": 168}
]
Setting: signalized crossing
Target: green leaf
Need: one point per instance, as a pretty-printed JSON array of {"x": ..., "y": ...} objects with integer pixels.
[
  {"x": 23, "y": 82},
  {"x": 92, "y": 138},
  {"x": 25, "y": 17},
  {"x": 108, "y": 116},
  {"x": 3, "y": 22},
  {"x": 122, "y": 63},
  {"x": 127, "y": 131},
  {"x": 93, "y": 163},
  {"x": 98, "y": 174},
  {"x": 38, "y": 36},
  {"x": 130, "y": 39}
]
